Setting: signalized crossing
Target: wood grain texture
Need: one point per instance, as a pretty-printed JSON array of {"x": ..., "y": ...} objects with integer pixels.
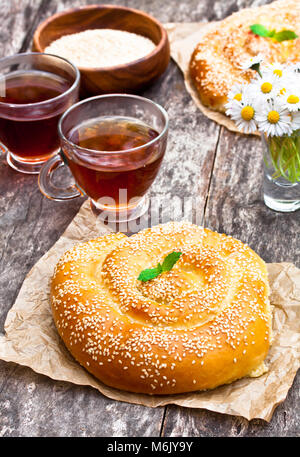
[
  {"x": 17, "y": 19},
  {"x": 34, "y": 405},
  {"x": 220, "y": 170}
]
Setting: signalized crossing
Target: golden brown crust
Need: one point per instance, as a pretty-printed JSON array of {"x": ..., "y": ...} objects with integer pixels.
[
  {"x": 205, "y": 323},
  {"x": 215, "y": 62}
]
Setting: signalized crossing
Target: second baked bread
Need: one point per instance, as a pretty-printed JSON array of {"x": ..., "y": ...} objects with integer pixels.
[{"x": 215, "y": 62}]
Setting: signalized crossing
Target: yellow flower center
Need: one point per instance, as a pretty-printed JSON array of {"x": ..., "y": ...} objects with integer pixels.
[
  {"x": 266, "y": 88},
  {"x": 293, "y": 99},
  {"x": 277, "y": 72},
  {"x": 282, "y": 91},
  {"x": 273, "y": 117},
  {"x": 238, "y": 97},
  {"x": 247, "y": 113}
]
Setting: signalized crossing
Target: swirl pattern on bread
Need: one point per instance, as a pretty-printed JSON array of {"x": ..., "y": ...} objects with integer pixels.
[
  {"x": 215, "y": 63},
  {"x": 202, "y": 324}
]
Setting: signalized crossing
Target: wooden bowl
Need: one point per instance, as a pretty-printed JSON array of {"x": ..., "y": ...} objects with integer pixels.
[{"x": 131, "y": 77}]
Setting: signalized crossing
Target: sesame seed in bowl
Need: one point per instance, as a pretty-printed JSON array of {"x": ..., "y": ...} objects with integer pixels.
[{"x": 101, "y": 47}]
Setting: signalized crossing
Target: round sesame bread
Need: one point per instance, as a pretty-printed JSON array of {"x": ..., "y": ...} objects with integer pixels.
[
  {"x": 215, "y": 63},
  {"x": 204, "y": 323}
]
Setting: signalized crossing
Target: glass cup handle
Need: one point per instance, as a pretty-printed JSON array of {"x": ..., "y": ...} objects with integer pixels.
[
  {"x": 3, "y": 149},
  {"x": 46, "y": 185}
]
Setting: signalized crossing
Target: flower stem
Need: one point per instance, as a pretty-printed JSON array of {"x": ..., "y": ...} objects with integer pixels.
[{"x": 285, "y": 156}]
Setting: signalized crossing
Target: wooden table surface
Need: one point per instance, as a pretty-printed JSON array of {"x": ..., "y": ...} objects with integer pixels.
[{"x": 221, "y": 169}]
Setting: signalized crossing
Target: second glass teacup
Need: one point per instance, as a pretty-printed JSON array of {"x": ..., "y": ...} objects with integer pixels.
[
  {"x": 35, "y": 90},
  {"x": 114, "y": 146}
]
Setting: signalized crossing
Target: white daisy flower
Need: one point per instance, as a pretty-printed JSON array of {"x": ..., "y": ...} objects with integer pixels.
[
  {"x": 273, "y": 69},
  {"x": 291, "y": 99},
  {"x": 252, "y": 62},
  {"x": 274, "y": 119},
  {"x": 236, "y": 92},
  {"x": 295, "y": 119},
  {"x": 243, "y": 114},
  {"x": 229, "y": 106},
  {"x": 240, "y": 93},
  {"x": 265, "y": 88},
  {"x": 288, "y": 83},
  {"x": 296, "y": 67}
]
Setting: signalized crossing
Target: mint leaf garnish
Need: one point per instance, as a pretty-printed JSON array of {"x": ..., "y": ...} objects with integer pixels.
[
  {"x": 283, "y": 35},
  {"x": 167, "y": 265},
  {"x": 170, "y": 261},
  {"x": 259, "y": 29},
  {"x": 150, "y": 273}
]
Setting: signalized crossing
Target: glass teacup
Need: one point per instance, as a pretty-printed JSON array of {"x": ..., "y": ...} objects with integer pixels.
[{"x": 114, "y": 146}]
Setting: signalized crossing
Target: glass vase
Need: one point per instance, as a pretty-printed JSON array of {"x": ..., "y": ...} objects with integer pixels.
[{"x": 281, "y": 186}]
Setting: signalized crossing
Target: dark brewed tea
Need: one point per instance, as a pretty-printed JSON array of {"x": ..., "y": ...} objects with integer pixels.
[
  {"x": 103, "y": 175},
  {"x": 33, "y": 137}
]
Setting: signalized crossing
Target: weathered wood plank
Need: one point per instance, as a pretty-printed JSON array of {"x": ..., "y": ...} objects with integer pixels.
[
  {"x": 16, "y": 21},
  {"x": 187, "y": 11},
  {"x": 34, "y": 405},
  {"x": 24, "y": 236}
]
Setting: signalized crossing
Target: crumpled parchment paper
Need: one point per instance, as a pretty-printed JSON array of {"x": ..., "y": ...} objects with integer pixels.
[{"x": 31, "y": 338}]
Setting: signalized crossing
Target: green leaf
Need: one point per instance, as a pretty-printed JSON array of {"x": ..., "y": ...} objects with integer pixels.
[
  {"x": 150, "y": 273},
  {"x": 285, "y": 35},
  {"x": 260, "y": 30},
  {"x": 170, "y": 261}
]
